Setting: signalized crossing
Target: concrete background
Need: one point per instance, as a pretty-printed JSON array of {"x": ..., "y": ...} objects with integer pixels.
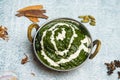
[{"x": 107, "y": 14}]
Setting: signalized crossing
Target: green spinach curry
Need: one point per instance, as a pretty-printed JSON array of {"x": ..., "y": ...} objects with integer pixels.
[{"x": 62, "y": 44}]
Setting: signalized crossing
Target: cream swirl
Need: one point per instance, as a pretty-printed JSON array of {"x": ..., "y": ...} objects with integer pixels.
[{"x": 61, "y": 36}]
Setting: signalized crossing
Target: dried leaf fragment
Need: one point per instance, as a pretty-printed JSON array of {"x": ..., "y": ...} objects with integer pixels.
[
  {"x": 33, "y": 19},
  {"x": 33, "y": 74},
  {"x": 37, "y": 16},
  {"x": 24, "y": 60},
  {"x": 34, "y": 7},
  {"x": 3, "y": 33}
]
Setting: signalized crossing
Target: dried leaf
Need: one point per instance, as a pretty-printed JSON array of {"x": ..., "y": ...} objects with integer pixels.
[
  {"x": 33, "y": 74},
  {"x": 33, "y": 13},
  {"x": 36, "y": 16},
  {"x": 3, "y": 33},
  {"x": 33, "y": 19},
  {"x": 24, "y": 60},
  {"x": 35, "y": 7},
  {"x": 19, "y": 15}
]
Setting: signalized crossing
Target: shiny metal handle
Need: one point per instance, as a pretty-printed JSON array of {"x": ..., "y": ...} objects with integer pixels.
[
  {"x": 30, "y": 28},
  {"x": 98, "y": 43}
]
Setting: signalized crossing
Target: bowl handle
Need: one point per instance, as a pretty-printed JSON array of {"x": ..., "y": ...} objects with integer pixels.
[
  {"x": 98, "y": 43},
  {"x": 30, "y": 28}
]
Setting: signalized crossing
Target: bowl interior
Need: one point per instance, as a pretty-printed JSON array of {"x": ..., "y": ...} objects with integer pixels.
[{"x": 62, "y": 44}]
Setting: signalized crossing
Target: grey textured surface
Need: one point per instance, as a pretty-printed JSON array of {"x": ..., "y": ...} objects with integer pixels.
[{"x": 107, "y": 14}]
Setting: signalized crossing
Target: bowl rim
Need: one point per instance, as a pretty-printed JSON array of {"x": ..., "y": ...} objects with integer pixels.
[{"x": 48, "y": 21}]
